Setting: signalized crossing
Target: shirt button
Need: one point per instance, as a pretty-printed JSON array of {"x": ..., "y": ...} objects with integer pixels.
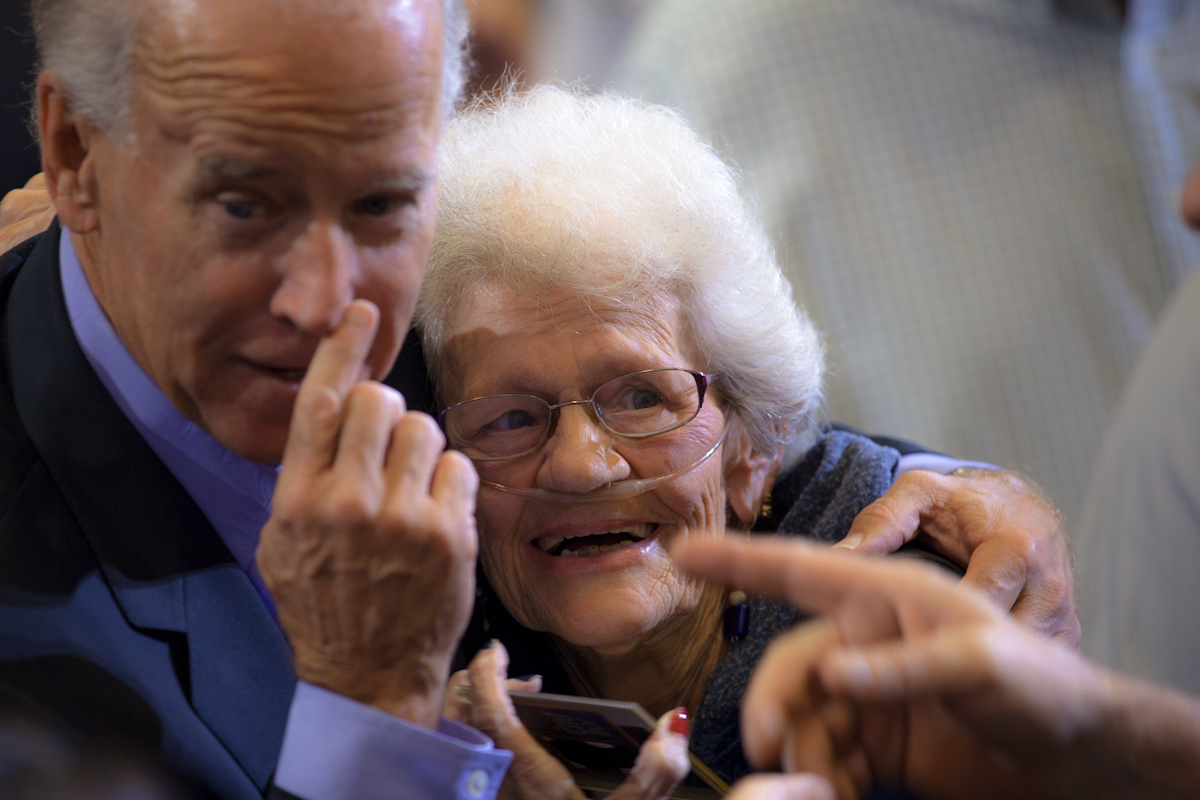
[{"x": 477, "y": 783}]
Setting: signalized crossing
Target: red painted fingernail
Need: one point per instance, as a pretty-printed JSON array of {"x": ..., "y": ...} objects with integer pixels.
[{"x": 679, "y": 722}]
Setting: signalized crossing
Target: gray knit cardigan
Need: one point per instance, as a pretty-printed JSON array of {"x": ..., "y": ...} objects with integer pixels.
[{"x": 818, "y": 499}]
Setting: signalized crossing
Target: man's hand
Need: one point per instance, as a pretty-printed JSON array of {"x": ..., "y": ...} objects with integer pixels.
[
  {"x": 370, "y": 548},
  {"x": 1012, "y": 539},
  {"x": 911, "y": 679},
  {"x": 25, "y": 212}
]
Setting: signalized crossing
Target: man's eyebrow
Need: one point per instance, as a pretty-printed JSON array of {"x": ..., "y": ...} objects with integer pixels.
[
  {"x": 236, "y": 168},
  {"x": 408, "y": 182}
]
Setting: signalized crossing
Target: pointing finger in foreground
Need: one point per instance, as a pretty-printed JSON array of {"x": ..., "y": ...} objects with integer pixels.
[
  {"x": 818, "y": 580},
  {"x": 782, "y": 787},
  {"x": 780, "y": 686}
]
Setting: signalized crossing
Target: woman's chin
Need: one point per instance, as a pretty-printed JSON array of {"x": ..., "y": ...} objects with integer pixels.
[
  {"x": 608, "y": 617},
  {"x": 611, "y": 635}
]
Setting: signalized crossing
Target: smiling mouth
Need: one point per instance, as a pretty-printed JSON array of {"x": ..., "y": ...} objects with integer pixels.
[{"x": 595, "y": 543}]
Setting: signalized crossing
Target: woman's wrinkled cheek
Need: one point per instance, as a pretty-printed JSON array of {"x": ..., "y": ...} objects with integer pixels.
[{"x": 500, "y": 553}]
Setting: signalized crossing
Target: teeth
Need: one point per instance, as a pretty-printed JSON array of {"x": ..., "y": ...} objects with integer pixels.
[
  {"x": 640, "y": 531},
  {"x": 548, "y": 544}
]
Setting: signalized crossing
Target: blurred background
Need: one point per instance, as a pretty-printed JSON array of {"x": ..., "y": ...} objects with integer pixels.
[{"x": 20, "y": 157}]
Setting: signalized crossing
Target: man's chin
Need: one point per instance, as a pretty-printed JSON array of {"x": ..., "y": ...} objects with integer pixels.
[
  {"x": 262, "y": 445},
  {"x": 252, "y": 418},
  {"x": 254, "y": 437}
]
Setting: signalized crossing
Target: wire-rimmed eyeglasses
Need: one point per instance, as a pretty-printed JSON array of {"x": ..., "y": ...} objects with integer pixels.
[{"x": 634, "y": 406}]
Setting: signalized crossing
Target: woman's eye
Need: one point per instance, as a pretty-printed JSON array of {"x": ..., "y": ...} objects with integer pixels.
[
  {"x": 640, "y": 399},
  {"x": 512, "y": 421}
]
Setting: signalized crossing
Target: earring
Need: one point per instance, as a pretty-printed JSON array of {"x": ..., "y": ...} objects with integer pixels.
[
  {"x": 764, "y": 509},
  {"x": 737, "y": 616}
]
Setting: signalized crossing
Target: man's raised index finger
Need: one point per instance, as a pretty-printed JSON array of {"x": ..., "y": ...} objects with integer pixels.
[
  {"x": 810, "y": 577},
  {"x": 795, "y": 571},
  {"x": 335, "y": 369}
]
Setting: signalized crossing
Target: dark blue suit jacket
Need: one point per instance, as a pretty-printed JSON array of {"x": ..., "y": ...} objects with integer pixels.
[{"x": 122, "y": 613}]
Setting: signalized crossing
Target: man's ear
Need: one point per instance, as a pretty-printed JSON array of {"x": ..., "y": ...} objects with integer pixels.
[
  {"x": 66, "y": 156},
  {"x": 748, "y": 474}
]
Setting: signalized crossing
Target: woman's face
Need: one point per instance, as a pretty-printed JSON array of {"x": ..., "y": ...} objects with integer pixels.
[{"x": 559, "y": 350}]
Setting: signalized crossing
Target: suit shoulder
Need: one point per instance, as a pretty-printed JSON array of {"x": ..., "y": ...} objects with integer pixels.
[{"x": 17, "y": 453}]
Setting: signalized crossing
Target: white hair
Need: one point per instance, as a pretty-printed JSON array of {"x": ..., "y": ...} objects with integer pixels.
[
  {"x": 89, "y": 43},
  {"x": 612, "y": 200}
]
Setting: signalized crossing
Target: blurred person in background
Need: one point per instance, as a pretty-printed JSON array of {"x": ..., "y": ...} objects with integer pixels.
[
  {"x": 1139, "y": 536},
  {"x": 574, "y": 41},
  {"x": 17, "y": 57},
  {"x": 975, "y": 199}
]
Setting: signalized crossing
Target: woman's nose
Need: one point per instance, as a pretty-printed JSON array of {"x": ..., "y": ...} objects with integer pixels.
[{"x": 580, "y": 455}]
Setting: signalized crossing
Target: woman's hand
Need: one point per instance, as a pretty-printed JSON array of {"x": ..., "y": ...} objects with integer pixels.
[
  {"x": 25, "y": 212},
  {"x": 479, "y": 697}
]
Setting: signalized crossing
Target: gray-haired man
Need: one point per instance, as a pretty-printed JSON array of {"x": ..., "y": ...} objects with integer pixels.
[{"x": 246, "y": 191}]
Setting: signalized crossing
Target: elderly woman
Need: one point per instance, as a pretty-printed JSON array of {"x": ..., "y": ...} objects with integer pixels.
[{"x": 615, "y": 347}]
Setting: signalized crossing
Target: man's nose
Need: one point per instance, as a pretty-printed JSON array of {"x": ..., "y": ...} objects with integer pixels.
[
  {"x": 580, "y": 455},
  {"x": 319, "y": 274}
]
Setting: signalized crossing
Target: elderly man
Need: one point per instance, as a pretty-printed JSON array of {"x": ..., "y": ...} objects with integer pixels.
[{"x": 230, "y": 176}]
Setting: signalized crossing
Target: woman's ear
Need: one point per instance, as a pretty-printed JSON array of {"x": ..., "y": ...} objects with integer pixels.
[{"x": 749, "y": 475}]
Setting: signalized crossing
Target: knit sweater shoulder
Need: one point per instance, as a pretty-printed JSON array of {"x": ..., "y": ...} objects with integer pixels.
[{"x": 818, "y": 499}]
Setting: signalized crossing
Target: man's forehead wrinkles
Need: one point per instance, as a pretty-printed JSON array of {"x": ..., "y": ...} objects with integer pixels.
[
  {"x": 185, "y": 114},
  {"x": 227, "y": 166},
  {"x": 236, "y": 87}
]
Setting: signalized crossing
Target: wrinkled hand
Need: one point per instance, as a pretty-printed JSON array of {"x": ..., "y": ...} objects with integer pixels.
[
  {"x": 535, "y": 774},
  {"x": 909, "y": 679},
  {"x": 1012, "y": 539},
  {"x": 370, "y": 548},
  {"x": 25, "y": 212}
]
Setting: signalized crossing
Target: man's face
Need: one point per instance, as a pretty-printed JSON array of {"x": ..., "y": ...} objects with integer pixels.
[{"x": 282, "y": 163}]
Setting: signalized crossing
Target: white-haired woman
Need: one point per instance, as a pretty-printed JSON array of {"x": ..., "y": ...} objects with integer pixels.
[{"x": 616, "y": 348}]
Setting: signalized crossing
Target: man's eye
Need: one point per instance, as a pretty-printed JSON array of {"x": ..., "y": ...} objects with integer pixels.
[
  {"x": 241, "y": 209},
  {"x": 375, "y": 206}
]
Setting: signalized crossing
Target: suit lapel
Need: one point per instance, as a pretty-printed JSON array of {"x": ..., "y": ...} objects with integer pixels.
[{"x": 167, "y": 567}]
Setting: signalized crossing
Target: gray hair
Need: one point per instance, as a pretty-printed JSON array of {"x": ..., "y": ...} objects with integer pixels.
[
  {"x": 89, "y": 44},
  {"x": 613, "y": 200}
]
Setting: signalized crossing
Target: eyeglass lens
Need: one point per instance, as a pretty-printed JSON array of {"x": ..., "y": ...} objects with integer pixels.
[{"x": 636, "y": 405}]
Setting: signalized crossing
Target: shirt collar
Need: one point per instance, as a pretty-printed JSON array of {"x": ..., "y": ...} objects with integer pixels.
[{"x": 234, "y": 494}]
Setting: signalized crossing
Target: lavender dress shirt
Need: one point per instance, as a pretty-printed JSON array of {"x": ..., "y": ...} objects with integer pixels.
[{"x": 334, "y": 748}]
